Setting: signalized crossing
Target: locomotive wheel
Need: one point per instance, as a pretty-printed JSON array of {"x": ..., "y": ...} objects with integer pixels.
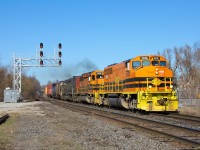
[
  {"x": 101, "y": 100},
  {"x": 77, "y": 99},
  {"x": 92, "y": 100}
]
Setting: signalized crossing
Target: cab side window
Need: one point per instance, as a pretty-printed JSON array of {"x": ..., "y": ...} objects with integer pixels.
[
  {"x": 136, "y": 64},
  {"x": 93, "y": 77}
]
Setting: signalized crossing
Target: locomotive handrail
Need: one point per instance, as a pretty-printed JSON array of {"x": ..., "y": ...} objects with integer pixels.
[
  {"x": 156, "y": 86},
  {"x": 119, "y": 86}
]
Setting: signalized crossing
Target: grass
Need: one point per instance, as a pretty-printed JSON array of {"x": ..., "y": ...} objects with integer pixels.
[
  {"x": 6, "y": 132},
  {"x": 189, "y": 107},
  {"x": 193, "y": 111}
]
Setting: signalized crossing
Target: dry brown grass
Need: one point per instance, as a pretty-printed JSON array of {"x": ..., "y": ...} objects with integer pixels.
[
  {"x": 6, "y": 132},
  {"x": 193, "y": 111}
]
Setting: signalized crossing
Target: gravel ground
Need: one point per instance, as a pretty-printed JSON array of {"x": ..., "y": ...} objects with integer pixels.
[{"x": 40, "y": 125}]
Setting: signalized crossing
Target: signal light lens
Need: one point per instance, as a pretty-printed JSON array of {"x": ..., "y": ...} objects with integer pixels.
[
  {"x": 41, "y": 53},
  {"x": 60, "y": 62},
  {"x": 60, "y": 54},
  {"x": 59, "y": 45},
  {"x": 41, "y": 62},
  {"x": 41, "y": 45}
]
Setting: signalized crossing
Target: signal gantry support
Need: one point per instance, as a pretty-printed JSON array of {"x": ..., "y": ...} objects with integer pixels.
[{"x": 39, "y": 61}]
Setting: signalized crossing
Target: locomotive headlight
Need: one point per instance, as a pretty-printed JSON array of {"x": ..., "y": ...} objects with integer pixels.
[
  {"x": 156, "y": 69},
  {"x": 171, "y": 86},
  {"x": 156, "y": 72},
  {"x": 150, "y": 86}
]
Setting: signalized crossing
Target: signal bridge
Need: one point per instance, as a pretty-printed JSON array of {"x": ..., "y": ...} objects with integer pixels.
[{"x": 39, "y": 61}]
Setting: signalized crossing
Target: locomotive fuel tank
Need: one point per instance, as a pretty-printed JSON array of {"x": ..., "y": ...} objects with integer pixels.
[{"x": 116, "y": 101}]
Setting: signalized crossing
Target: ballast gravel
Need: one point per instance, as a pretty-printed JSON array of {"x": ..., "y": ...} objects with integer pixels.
[{"x": 43, "y": 126}]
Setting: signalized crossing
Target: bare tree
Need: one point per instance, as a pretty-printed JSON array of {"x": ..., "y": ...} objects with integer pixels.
[
  {"x": 185, "y": 63},
  {"x": 30, "y": 85}
]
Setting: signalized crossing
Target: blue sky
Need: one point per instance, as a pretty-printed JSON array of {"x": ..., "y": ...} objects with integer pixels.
[{"x": 94, "y": 32}]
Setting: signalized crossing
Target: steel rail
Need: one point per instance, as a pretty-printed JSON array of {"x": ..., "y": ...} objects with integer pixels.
[{"x": 181, "y": 117}]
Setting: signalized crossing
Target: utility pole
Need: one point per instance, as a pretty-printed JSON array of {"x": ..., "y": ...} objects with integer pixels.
[{"x": 39, "y": 61}]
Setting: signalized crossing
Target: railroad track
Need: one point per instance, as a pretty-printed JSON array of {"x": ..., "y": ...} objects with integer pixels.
[
  {"x": 192, "y": 119},
  {"x": 186, "y": 117},
  {"x": 181, "y": 137},
  {"x": 3, "y": 118}
]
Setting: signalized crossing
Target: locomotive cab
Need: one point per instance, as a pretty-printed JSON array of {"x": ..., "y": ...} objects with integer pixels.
[
  {"x": 150, "y": 73},
  {"x": 90, "y": 83},
  {"x": 148, "y": 61},
  {"x": 96, "y": 81},
  {"x": 96, "y": 77}
]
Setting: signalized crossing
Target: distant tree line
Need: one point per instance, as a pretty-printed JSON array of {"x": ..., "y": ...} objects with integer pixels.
[
  {"x": 30, "y": 85},
  {"x": 185, "y": 63}
]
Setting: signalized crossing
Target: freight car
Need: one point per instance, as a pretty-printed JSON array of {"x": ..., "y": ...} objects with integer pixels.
[
  {"x": 71, "y": 89},
  {"x": 54, "y": 90},
  {"x": 58, "y": 90},
  {"x": 141, "y": 83},
  {"x": 48, "y": 90}
]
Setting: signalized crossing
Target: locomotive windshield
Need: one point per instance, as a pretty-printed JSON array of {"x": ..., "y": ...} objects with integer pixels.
[
  {"x": 163, "y": 63},
  {"x": 136, "y": 64},
  {"x": 155, "y": 63},
  {"x": 99, "y": 76},
  {"x": 146, "y": 63},
  {"x": 159, "y": 63}
]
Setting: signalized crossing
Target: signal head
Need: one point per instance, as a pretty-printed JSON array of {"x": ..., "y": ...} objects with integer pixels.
[
  {"x": 41, "y": 45},
  {"x": 41, "y": 53},
  {"x": 60, "y": 54},
  {"x": 41, "y": 62},
  {"x": 59, "y": 45},
  {"x": 60, "y": 62}
]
